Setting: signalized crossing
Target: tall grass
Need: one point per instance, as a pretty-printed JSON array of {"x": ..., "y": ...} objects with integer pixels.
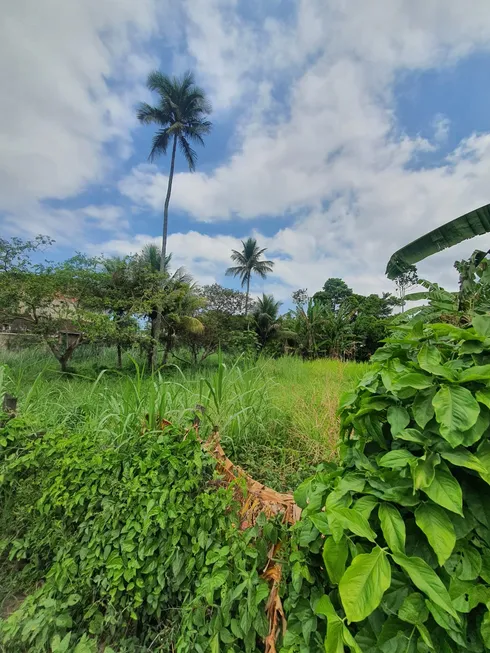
[{"x": 276, "y": 418}]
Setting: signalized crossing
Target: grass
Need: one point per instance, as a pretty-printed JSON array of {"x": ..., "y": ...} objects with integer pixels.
[{"x": 276, "y": 418}]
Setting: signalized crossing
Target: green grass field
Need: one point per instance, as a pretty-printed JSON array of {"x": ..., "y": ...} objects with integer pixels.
[{"x": 276, "y": 418}]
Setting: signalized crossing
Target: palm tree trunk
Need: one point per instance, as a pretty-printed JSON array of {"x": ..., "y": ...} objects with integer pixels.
[
  {"x": 158, "y": 321},
  {"x": 246, "y": 297}
]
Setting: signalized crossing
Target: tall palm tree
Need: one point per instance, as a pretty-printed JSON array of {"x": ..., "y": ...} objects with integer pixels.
[
  {"x": 248, "y": 262},
  {"x": 266, "y": 315},
  {"x": 181, "y": 118}
]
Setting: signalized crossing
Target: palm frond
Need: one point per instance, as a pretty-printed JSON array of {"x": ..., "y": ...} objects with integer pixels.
[
  {"x": 159, "y": 144},
  {"x": 474, "y": 223},
  {"x": 189, "y": 154},
  {"x": 147, "y": 114}
]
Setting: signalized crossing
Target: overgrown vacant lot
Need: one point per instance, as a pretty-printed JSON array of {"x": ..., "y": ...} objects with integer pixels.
[{"x": 276, "y": 418}]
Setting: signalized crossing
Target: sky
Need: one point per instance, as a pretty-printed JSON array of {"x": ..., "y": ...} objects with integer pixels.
[{"x": 342, "y": 130}]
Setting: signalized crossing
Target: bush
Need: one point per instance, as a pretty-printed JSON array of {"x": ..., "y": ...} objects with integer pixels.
[
  {"x": 393, "y": 550},
  {"x": 132, "y": 544}
]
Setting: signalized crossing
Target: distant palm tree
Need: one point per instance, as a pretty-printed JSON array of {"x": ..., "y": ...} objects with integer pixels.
[
  {"x": 266, "y": 314},
  {"x": 248, "y": 262},
  {"x": 181, "y": 116}
]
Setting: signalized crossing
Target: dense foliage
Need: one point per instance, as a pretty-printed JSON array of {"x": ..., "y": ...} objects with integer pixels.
[
  {"x": 127, "y": 545},
  {"x": 393, "y": 551}
]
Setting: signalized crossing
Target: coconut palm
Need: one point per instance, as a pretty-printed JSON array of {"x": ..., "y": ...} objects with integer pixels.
[
  {"x": 181, "y": 118},
  {"x": 266, "y": 314},
  {"x": 248, "y": 261}
]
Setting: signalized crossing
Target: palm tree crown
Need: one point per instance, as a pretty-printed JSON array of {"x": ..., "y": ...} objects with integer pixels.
[
  {"x": 181, "y": 112},
  {"x": 266, "y": 314},
  {"x": 248, "y": 261}
]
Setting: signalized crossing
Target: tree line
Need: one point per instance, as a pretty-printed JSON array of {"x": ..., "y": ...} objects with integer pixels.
[{"x": 128, "y": 302}]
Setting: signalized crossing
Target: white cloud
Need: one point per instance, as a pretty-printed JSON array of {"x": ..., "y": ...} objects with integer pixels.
[
  {"x": 316, "y": 135},
  {"x": 441, "y": 126},
  {"x": 71, "y": 76},
  {"x": 334, "y": 156}
]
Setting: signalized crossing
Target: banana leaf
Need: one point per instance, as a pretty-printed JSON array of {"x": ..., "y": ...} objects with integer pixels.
[{"x": 474, "y": 223}]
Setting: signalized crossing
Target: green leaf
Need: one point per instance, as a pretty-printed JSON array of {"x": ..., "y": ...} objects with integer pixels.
[
  {"x": 424, "y": 470},
  {"x": 429, "y": 358},
  {"x": 353, "y": 521},
  {"x": 334, "y": 557},
  {"x": 437, "y": 527},
  {"x": 446, "y": 491},
  {"x": 447, "y": 622},
  {"x": 455, "y": 408},
  {"x": 364, "y": 583},
  {"x": 485, "y": 629},
  {"x": 414, "y": 380},
  {"x": 365, "y": 505},
  {"x": 425, "y": 635},
  {"x": 393, "y": 527},
  {"x": 334, "y": 641},
  {"x": 396, "y": 459},
  {"x": 422, "y": 408},
  {"x": 413, "y": 609},
  {"x": 426, "y": 580},
  {"x": 475, "y": 373},
  {"x": 398, "y": 418},
  {"x": 350, "y": 641},
  {"x": 481, "y": 324},
  {"x": 478, "y": 429},
  {"x": 412, "y": 435},
  {"x": 483, "y": 396},
  {"x": 463, "y": 458}
]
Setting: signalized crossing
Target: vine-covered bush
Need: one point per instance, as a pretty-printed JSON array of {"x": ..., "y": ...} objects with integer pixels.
[
  {"x": 393, "y": 550},
  {"x": 127, "y": 546}
]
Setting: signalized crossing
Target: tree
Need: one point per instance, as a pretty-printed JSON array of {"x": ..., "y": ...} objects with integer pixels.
[
  {"x": 120, "y": 298},
  {"x": 61, "y": 303},
  {"x": 223, "y": 300},
  {"x": 249, "y": 262},
  {"x": 266, "y": 315},
  {"x": 300, "y": 296},
  {"x": 334, "y": 292},
  {"x": 405, "y": 281},
  {"x": 181, "y": 118}
]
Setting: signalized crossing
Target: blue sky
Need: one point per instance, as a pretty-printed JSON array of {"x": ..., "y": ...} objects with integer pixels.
[{"x": 342, "y": 130}]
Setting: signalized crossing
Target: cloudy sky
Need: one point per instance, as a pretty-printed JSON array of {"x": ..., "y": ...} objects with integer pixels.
[{"x": 343, "y": 129}]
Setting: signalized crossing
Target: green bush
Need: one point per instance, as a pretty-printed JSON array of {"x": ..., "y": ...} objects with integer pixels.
[
  {"x": 393, "y": 550},
  {"x": 132, "y": 545}
]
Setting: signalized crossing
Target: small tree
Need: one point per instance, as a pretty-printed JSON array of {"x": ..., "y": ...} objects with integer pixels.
[
  {"x": 405, "y": 281},
  {"x": 266, "y": 319}
]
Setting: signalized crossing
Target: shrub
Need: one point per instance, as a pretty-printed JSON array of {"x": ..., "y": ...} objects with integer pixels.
[
  {"x": 393, "y": 550},
  {"x": 132, "y": 544}
]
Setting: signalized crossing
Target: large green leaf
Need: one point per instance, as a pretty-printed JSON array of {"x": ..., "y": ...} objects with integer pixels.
[
  {"x": 481, "y": 324},
  {"x": 456, "y": 409},
  {"x": 393, "y": 527},
  {"x": 426, "y": 580},
  {"x": 415, "y": 380},
  {"x": 422, "y": 407},
  {"x": 413, "y": 609},
  {"x": 475, "y": 373},
  {"x": 364, "y": 583},
  {"x": 334, "y": 557},
  {"x": 398, "y": 418},
  {"x": 424, "y": 470},
  {"x": 437, "y": 527},
  {"x": 396, "y": 459},
  {"x": 446, "y": 491},
  {"x": 474, "y": 223},
  {"x": 353, "y": 521},
  {"x": 463, "y": 458},
  {"x": 430, "y": 360},
  {"x": 334, "y": 642}
]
